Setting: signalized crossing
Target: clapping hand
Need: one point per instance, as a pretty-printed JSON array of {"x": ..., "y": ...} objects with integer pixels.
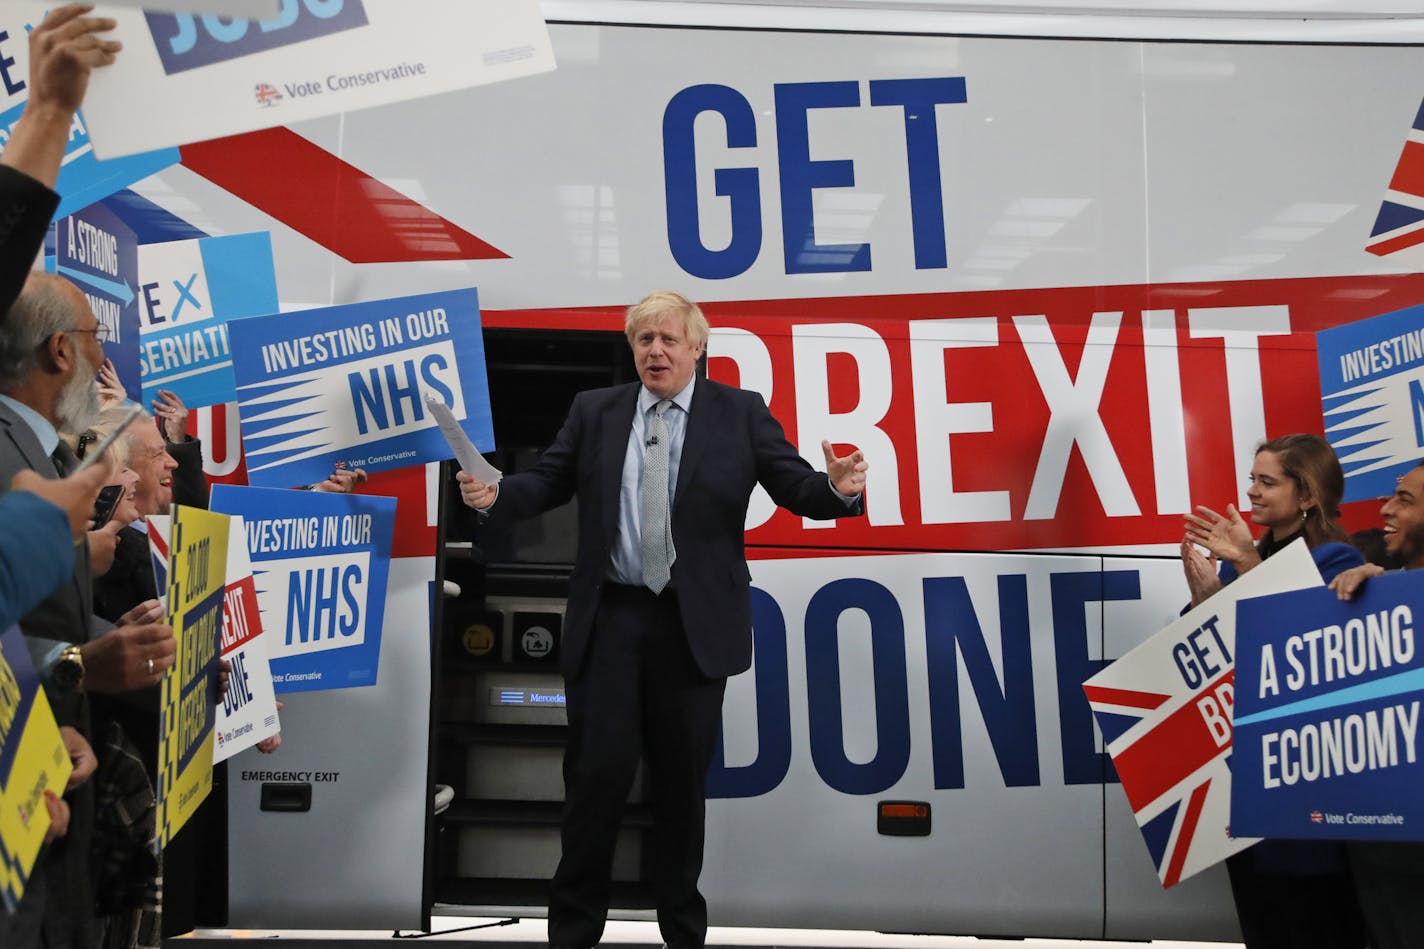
[{"x": 1227, "y": 537}]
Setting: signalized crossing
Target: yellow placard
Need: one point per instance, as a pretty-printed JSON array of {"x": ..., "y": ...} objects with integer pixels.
[
  {"x": 32, "y": 760},
  {"x": 197, "y": 570}
]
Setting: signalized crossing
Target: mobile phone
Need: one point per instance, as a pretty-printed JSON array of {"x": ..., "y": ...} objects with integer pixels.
[
  {"x": 106, "y": 503},
  {"x": 98, "y": 450}
]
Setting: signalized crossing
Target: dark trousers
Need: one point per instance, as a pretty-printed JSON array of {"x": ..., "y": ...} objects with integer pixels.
[
  {"x": 1389, "y": 879},
  {"x": 638, "y": 695},
  {"x": 1284, "y": 910}
]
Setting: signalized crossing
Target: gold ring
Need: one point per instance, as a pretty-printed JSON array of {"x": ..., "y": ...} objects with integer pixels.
[{"x": 150, "y": 665}]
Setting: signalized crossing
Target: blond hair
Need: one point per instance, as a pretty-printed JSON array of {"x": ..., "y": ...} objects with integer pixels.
[
  {"x": 662, "y": 303},
  {"x": 117, "y": 455}
]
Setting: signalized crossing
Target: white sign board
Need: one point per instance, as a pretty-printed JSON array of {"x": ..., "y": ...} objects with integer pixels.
[
  {"x": 248, "y": 712},
  {"x": 1165, "y": 713},
  {"x": 183, "y": 78},
  {"x": 225, "y": 8}
]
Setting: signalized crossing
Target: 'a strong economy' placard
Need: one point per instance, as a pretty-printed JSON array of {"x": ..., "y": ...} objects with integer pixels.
[{"x": 1327, "y": 717}]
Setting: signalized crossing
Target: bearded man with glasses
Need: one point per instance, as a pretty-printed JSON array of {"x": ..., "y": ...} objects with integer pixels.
[{"x": 49, "y": 354}]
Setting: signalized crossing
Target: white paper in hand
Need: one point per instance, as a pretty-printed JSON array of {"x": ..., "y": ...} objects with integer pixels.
[{"x": 471, "y": 461}]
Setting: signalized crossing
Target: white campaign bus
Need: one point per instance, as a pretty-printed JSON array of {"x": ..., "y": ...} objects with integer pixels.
[{"x": 1055, "y": 273}]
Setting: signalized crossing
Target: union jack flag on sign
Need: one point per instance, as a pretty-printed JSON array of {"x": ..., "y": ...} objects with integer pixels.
[
  {"x": 158, "y": 527},
  {"x": 1164, "y": 711},
  {"x": 266, "y": 95},
  {"x": 1400, "y": 222}
]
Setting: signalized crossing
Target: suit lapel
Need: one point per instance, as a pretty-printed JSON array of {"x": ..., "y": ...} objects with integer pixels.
[
  {"x": 616, "y": 424},
  {"x": 699, "y": 433},
  {"x": 26, "y": 443}
]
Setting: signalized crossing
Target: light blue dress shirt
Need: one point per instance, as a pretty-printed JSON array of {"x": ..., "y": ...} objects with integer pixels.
[{"x": 627, "y": 564}]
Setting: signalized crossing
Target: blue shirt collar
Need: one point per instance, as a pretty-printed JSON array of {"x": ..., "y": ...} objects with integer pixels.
[
  {"x": 683, "y": 400},
  {"x": 44, "y": 431}
]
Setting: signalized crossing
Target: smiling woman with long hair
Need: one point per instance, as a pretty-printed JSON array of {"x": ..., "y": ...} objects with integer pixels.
[{"x": 1291, "y": 894}]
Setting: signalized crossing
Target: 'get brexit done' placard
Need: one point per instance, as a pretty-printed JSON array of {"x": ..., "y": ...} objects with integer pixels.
[
  {"x": 348, "y": 384},
  {"x": 1164, "y": 710},
  {"x": 1328, "y": 714}
]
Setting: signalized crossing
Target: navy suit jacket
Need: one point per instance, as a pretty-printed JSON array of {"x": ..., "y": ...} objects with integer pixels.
[
  {"x": 732, "y": 444},
  {"x": 25, "y": 210}
]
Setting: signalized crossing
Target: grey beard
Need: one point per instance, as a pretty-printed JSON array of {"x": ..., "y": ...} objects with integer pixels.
[{"x": 78, "y": 405}]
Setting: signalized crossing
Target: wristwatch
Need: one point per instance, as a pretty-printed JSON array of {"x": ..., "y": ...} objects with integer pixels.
[{"x": 68, "y": 671}]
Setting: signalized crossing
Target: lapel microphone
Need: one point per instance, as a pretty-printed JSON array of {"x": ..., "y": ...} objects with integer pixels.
[{"x": 652, "y": 441}]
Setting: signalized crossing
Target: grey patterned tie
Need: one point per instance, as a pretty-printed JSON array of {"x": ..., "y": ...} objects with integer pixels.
[{"x": 658, "y": 552}]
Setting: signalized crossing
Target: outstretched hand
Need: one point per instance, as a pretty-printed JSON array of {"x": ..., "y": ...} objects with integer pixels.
[{"x": 847, "y": 474}]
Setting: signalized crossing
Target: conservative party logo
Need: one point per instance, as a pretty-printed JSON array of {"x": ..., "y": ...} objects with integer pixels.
[
  {"x": 186, "y": 41},
  {"x": 267, "y": 95}
]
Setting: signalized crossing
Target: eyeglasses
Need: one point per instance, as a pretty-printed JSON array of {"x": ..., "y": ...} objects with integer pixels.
[{"x": 101, "y": 333}]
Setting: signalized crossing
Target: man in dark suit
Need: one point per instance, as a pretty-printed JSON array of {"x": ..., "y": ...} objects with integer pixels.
[
  {"x": 659, "y": 608},
  {"x": 1389, "y": 875},
  {"x": 49, "y": 353}
]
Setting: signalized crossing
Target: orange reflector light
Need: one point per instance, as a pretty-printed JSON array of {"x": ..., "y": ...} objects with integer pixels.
[{"x": 903, "y": 818}]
